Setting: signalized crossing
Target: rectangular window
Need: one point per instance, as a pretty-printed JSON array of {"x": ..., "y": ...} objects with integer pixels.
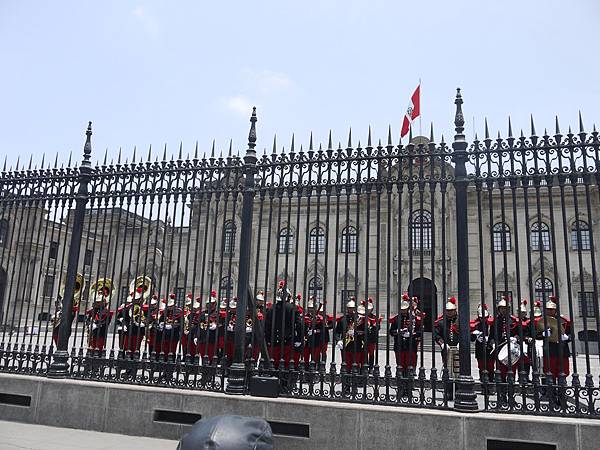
[
  {"x": 587, "y": 304},
  {"x": 87, "y": 259},
  {"x": 542, "y": 237},
  {"x": 53, "y": 254},
  {"x": 584, "y": 235},
  {"x": 48, "y": 289},
  {"x": 180, "y": 295},
  {"x": 346, "y": 294},
  {"x": 499, "y": 294}
]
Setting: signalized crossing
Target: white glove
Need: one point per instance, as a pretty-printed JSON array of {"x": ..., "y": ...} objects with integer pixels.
[
  {"x": 161, "y": 325},
  {"x": 477, "y": 333},
  {"x": 309, "y": 332},
  {"x": 229, "y": 327},
  {"x": 340, "y": 345},
  {"x": 405, "y": 334},
  {"x": 142, "y": 324},
  {"x": 351, "y": 332},
  {"x": 124, "y": 328},
  {"x": 513, "y": 339},
  {"x": 564, "y": 337},
  {"x": 168, "y": 326},
  {"x": 213, "y": 326},
  {"x": 195, "y": 341},
  {"x": 248, "y": 329},
  {"x": 94, "y": 326},
  {"x": 119, "y": 328},
  {"x": 480, "y": 338},
  {"x": 547, "y": 332},
  {"x": 186, "y": 331},
  {"x": 297, "y": 344}
]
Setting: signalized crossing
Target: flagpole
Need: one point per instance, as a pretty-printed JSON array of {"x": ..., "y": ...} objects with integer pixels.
[{"x": 420, "y": 132}]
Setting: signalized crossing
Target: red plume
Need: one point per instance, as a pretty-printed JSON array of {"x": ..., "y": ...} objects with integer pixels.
[
  {"x": 213, "y": 294},
  {"x": 523, "y": 302},
  {"x": 452, "y": 300},
  {"x": 281, "y": 284},
  {"x": 139, "y": 290},
  {"x": 405, "y": 296},
  {"x": 485, "y": 306},
  {"x": 299, "y": 296},
  {"x": 171, "y": 295}
]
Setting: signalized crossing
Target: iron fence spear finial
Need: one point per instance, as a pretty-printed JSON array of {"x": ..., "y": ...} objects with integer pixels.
[
  {"x": 431, "y": 132},
  {"x": 532, "y": 125},
  {"x": 350, "y": 138},
  {"x": 329, "y": 144},
  {"x": 389, "y": 140},
  {"x": 510, "y": 132},
  {"x": 581, "y": 130},
  {"x": 369, "y": 137},
  {"x": 310, "y": 143},
  {"x": 556, "y": 126}
]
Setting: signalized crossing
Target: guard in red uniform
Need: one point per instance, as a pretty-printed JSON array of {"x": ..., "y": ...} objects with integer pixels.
[
  {"x": 406, "y": 330},
  {"x": 169, "y": 323},
  {"x": 283, "y": 327},
  {"x": 152, "y": 311},
  {"x": 230, "y": 330},
  {"x": 373, "y": 326},
  {"x": 556, "y": 332},
  {"x": 210, "y": 329},
  {"x": 525, "y": 336},
  {"x": 315, "y": 332},
  {"x": 350, "y": 335},
  {"x": 56, "y": 318},
  {"x": 99, "y": 316},
  {"x": 503, "y": 332},
  {"x": 186, "y": 339},
  {"x": 446, "y": 335},
  {"x": 131, "y": 323},
  {"x": 484, "y": 348}
]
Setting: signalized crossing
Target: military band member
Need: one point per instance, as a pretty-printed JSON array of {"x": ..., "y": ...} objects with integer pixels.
[
  {"x": 131, "y": 323},
  {"x": 350, "y": 335},
  {"x": 556, "y": 332},
  {"x": 373, "y": 326},
  {"x": 56, "y": 318},
  {"x": 169, "y": 323},
  {"x": 152, "y": 311},
  {"x": 484, "y": 347},
  {"x": 260, "y": 302},
  {"x": 230, "y": 330},
  {"x": 315, "y": 333},
  {"x": 283, "y": 327},
  {"x": 525, "y": 335},
  {"x": 190, "y": 323},
  {"x": 406, "y": 330},
  {"x": 99, "y": 316},
  {"x": 210, "y": 329},
  {"x": 187, "y": 318},
  {"x": 446, "y": 335},
  {"x": 504, "y": 331}
]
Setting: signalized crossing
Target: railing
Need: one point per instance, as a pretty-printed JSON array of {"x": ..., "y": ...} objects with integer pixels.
[{"x": 317, "y": 247}]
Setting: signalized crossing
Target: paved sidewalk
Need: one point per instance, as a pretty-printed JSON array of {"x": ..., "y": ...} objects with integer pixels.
[{"x": 19, "y": 436}]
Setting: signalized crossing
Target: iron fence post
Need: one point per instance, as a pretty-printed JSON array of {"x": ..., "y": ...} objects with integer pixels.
[
  {"x": 465, "y": 399},
  {"x": 59, "y": 368},
  {"x": 237, "y": 372}
]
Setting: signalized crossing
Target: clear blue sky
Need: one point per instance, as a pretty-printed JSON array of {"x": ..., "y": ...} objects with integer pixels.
[{"x": 149, "y": 72}]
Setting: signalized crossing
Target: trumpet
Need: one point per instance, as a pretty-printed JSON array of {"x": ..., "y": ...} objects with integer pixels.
[
  {"x": 249, "y": 322},
  {"x": 349, "y": 335}
]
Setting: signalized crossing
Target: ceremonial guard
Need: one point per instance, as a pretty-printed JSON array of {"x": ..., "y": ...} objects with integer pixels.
[
  {"x": 282, "y": 327},
  {"x": 56, "y": 318},
  {"x": 186, "y": 338},
  {"x": 525, "y": 336},
  {"x": 484, "y": 348},
  {"x": 556, "y": 333},
  {"x": 189, "y": 345},
  {"x": 315, "y": 334},
  {"x": 445, "y": 329},
  {"x": 350, "y": 335},
  {"x": 210, "y": 328},
  {"x": 99, "y": 316},
  {"x": 407, "y": 332},
  {"x": 503, "y": 332},
  {"x": 373, "y": 326},
  {"x": 169, "y": 323},
  {"x": 230, "y": 330},
  {"x": 260, "y": 302},
  {"x": 152, "y": 311},
  {"x": 131, "y": 322}
]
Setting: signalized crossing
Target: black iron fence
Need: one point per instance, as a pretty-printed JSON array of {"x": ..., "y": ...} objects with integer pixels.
[{"x": 446, "y": 276}]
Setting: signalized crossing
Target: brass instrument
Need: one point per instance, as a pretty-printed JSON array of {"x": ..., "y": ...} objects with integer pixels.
[
  {"x": 248, "y": 322},
  {"x": 97, "y": 289},
  {"x": 137, "y": 316},
  {"x": 145, "y": 283},
  {"x": 556, "y": 329},
  {"x": 79, "y": 286},
  {"x": 349, "y": 335}
]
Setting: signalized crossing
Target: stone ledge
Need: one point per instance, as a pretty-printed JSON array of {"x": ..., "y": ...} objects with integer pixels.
[{"x": 131, "y": 409}]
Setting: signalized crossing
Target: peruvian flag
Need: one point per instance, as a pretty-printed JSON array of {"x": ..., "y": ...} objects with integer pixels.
[{"x": 413, "y": 111}]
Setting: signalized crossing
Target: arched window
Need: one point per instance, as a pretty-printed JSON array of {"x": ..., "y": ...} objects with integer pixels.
[
  {"x": 3, "y": 232},
  {"x": 229, "y": 237},
  {"x": 286, "y": 240},
  {"x": 540, "y": 237},
  {"x": 315, "y": 287},
  {"x": 420, "y": 230},
  {"x": 317, "y": 240},
  {"x": 543, "y": 289},
  {"x": 580, "y": 235},
  {"x": 501, "y": 237},
  {"x": 349, "y": 240},
  {"x": 226, "y": 288}
]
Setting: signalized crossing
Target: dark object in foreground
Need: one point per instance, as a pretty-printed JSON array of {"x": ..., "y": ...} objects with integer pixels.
[{"x": 228, "y": 433}]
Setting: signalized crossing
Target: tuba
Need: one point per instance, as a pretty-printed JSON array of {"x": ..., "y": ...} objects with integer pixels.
[
  {"x": 145, "y": 283},
  {"x": 102, "y": 287},
  {"x": 79, "y": 286}
]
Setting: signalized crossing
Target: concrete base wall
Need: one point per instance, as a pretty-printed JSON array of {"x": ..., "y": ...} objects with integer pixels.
[{"x": 133, "y": 410}]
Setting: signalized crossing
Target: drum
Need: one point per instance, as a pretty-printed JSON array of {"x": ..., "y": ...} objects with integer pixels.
[
  {"x": 453, "y": 362},
  {"x": 515, "y": 353}
]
